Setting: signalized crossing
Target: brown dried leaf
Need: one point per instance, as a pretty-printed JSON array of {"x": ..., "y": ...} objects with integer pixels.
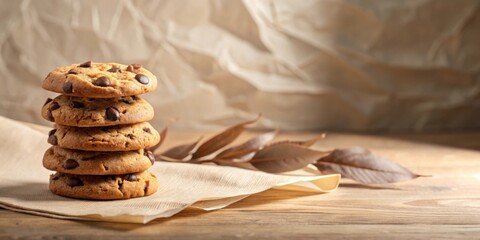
[
  {"x": 247, "y": 147},
  {"x": 284, "y": 157},
  {"x": 167, "y": 159},
  {"x": 247, "y": 157},
  {"x": 306, "y": 143},
  {"x": 361, "y": 165},
  {"x": 221, "y": 140},
  {"x": 181, "y": 151}
]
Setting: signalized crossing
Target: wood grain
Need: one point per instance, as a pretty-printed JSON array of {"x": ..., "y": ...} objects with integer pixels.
[{"x": 444, "y": 206}]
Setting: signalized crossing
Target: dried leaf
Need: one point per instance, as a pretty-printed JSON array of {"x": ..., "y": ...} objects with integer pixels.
[
  {"x": 356, "y": 163},
  {"x": 167, "y": 159},
  {"x": 247, "y": 147},
  {"x": 221, "y": 140},
  {"x": 284, "y": 157},
  {"x": 247, "y": 157},
  {"x": 306, "y": 143},
  {"x": 182, "y": 151},
  {"x": 361, "y": 165}
]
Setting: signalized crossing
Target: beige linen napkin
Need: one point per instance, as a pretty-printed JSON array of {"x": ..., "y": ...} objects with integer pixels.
[{"x": 24, "y": 184}]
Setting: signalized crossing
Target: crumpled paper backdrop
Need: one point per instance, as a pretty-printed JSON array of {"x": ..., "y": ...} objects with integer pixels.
[
  {"x": 350, "y": 65},
  {"x": 24, "y": 184}
]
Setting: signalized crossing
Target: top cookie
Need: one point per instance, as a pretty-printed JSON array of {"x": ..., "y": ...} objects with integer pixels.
[{"x": 100, "y": 80}]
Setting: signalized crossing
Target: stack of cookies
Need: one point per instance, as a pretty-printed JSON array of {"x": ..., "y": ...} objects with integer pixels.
[{"x": 101, "y": 132}]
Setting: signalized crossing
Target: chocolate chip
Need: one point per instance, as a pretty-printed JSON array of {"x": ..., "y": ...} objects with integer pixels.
[
  {"x": 68, "y": 87},
  {"x": 131, "y": 177},
  {"x": 76, "y": 104},
  {"x": 50, "y": 116},
  {"x": 142, "y": 79},
  {"x": 52, "y": 139},
  {"x": 104, "y": 129},
  {"x": 145, "y": 188},
  {"x": 54, "y": 106},
  {"x": 127, "y": 101},
  {"x": 120, "y": 183},
  {"x": 146, "y": 129},
  {"x": 112, "y": 114},
  {"x": 70, "y": 164},
  {"x": 150, "y": 156},
  {"x": 114, "y": 70},
  {"x": 86, "y": 64},
  {"x": 130, "y": 68},
  {"x": 72, "y": 71},
  {"x": 136, "y": 65},
  {"x": 48, "y": 100},
  {"x": 102, "y": 82},
  {"x": 53, "y": 131},
  {"x": 131, "y": 136},
  {"x": 74, "y": 182}
]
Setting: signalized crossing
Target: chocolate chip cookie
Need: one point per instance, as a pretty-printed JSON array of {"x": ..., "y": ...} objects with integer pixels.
[
  {"x": 115, "y": 138},
  {"x": 97, "y": 163},
  {"x": 96, "y": 112},
  {"x": 107, "y": 187},
  {"x": 100, "y": 80}
]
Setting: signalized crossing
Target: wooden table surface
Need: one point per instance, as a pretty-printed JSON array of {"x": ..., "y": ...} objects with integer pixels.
[{"x": 444, "y": 206}]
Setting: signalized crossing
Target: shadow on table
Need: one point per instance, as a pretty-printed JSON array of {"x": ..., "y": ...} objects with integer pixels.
[
  {"x": 258, "y": 199},
  {"x": 264, "y": 198}
]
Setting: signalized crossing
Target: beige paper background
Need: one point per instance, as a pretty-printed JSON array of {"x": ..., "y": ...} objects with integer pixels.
[
  {"x": 313, "y": 64},
  {"x": 24, "y": 184}
]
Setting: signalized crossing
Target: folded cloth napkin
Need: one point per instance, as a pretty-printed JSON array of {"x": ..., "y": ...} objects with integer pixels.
[{"x": 24, "y": 184}]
